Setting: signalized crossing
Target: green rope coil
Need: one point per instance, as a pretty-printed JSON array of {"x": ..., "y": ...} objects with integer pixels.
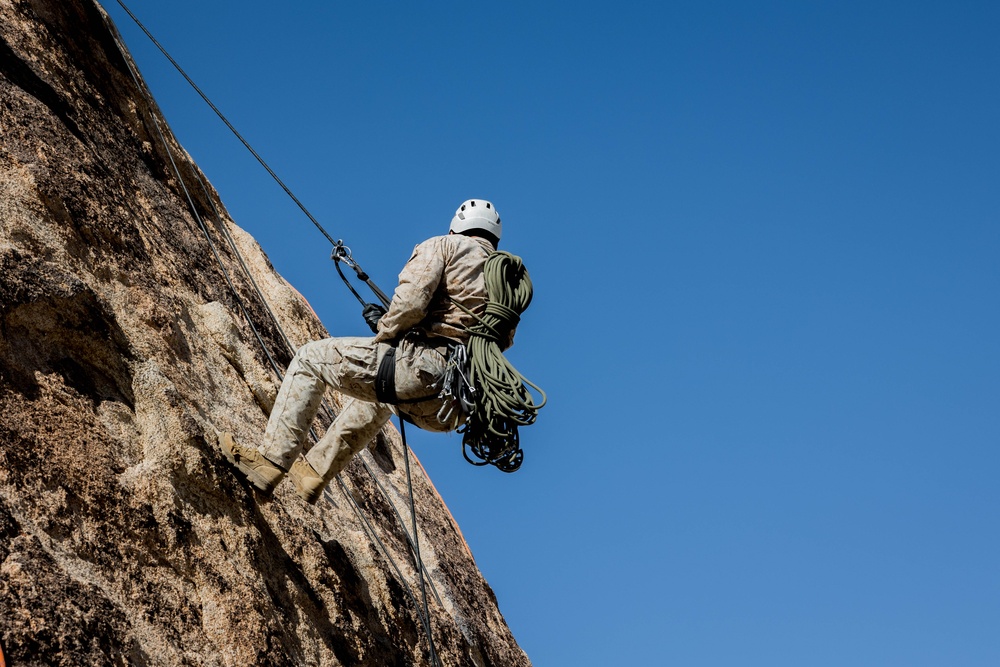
[{"x": 502, "y": 401}]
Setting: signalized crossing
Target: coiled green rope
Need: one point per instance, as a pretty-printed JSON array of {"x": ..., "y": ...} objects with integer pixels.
[{"x": 502, "y": 401}]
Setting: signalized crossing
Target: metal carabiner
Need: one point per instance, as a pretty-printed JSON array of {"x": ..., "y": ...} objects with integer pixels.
[{"x": 342, "y": 253}]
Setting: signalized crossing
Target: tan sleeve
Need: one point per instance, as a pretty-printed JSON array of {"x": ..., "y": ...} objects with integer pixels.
[{"x": 417, "y": 282}]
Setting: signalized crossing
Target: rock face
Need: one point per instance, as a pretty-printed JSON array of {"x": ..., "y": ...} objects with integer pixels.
[{"x": 131, "y": 334}]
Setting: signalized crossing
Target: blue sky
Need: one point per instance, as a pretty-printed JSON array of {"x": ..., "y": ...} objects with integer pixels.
[{"x": 764, "y": 241}]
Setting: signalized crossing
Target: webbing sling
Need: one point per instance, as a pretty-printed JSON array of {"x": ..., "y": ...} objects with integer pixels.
[
  {"x": 385, "y": 378},
  {"x": 385, "y": 382}
]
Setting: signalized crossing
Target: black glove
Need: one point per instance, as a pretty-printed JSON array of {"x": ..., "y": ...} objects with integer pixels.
[{"x": 372, "y": 314}]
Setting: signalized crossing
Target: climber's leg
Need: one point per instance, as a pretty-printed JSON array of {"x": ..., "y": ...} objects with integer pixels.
[
  {"x": 356, "y": 425},
  {"x": 346, "y": 364}
]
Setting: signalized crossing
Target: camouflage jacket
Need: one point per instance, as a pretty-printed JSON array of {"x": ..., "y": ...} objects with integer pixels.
[{"x": 440, "y": 267}]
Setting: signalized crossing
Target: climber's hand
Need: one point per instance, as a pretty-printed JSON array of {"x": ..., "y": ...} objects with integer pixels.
[{"x": 372, "y": 314}]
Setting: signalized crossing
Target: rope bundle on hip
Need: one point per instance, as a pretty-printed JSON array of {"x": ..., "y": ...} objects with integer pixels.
[{"x": 502, "y": 401}]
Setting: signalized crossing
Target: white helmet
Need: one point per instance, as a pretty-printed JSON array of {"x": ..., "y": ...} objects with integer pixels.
[{"x": 476, "y": 214}]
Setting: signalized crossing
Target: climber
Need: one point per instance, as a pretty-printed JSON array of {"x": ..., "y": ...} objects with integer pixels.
[{"x": 402, "y": 366}]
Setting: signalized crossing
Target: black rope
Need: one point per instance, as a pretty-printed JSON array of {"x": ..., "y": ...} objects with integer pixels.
[
  {"x": 347, "y": 282},
  {"x": 194, "y": 209},
  {"x": 402, "y": 522},
  {"x": 370, "y": 530},
  {"x": 228, "y": 124},
  {"x": 414, "y": 541},
  {"x": 342, "y": 254},
  {"x": 246, "y": 271}
]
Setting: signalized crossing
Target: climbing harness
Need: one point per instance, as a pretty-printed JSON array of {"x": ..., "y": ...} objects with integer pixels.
[
  {"x": 484, "y": 396},
  {"x": 385, "y": 378}
]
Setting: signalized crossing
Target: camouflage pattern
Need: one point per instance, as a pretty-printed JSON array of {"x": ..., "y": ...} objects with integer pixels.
[
  {"x": 349, "y": 365},
  {"x": 440, "y": 267},
  {"x": 421, "y": 320}
]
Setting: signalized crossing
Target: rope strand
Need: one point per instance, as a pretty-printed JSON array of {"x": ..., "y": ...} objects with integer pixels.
[
  {"x": 225, "y": 120},
  {"x": 422, "y": 609},
  {"x": 502, "y": 403}
]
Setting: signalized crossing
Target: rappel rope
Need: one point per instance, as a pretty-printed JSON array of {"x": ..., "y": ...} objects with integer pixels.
[
  {"x": 423, "y": 610},
  {"x": 482, "y": 390},
  {"x": 225, "y": 120}
]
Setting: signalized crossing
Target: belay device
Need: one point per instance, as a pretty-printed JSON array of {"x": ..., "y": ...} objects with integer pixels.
[{"x": 482, "y": 383}]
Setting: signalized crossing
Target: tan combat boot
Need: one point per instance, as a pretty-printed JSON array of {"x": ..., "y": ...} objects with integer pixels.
[
  {"x": 259, "y": 471},
  {"x": 308, "y": 484}
]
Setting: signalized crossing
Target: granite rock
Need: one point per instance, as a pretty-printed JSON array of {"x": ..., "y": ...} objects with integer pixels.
[{"x": 126, "y": 346}]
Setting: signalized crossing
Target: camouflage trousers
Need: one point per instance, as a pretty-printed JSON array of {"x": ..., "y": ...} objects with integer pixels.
[{"x": 349, "y": 365}]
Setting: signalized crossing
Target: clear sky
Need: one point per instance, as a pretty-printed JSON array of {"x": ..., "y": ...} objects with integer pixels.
[{"x": 765, "y": 245}]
